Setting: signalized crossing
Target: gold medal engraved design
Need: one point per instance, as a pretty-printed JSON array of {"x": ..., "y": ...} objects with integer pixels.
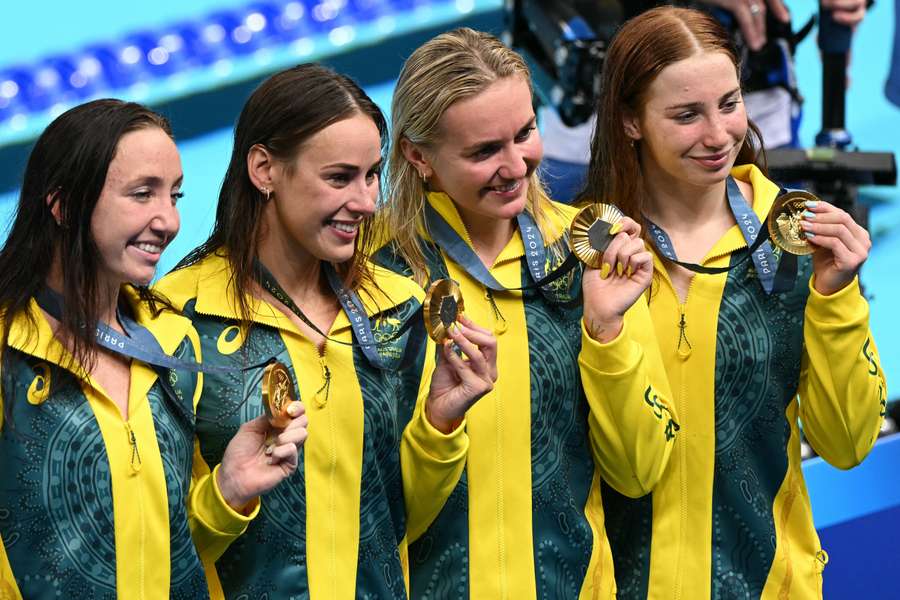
[
  {"x": 443, "y": 305},
  {"x": 589, "y": 233},
  {"x": 277, "y": 394},
  {"x": 784, "y": 222}
]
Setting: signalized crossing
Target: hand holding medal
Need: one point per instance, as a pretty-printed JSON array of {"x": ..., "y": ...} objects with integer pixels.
[
  {"x": 459, "y": 379},
  {"x": 802, "y": 224},
  {"x": 264, "y": 451},
  {"x": 619, "y": 266}
]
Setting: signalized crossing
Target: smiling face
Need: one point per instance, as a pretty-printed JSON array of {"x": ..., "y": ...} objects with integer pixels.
[
  {"x": 135, "y": 216},
  {"x": 488, "y": 150},
  {"x": 320, "y": 198},
  {"x": 693, "y": 122}
]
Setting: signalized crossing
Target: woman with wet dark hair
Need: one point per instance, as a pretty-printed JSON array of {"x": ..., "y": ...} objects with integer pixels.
[
  {"x": 98, "y": 382},
  {"x": 285, "y": 276}
]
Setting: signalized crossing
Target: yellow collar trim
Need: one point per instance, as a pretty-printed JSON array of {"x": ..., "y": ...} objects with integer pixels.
[
  {"x": 214, "y": 296},
  {"x": 557, "y": 215},
  {"x": 764, "y": 194},
  {"x": 168, "y": 328}
]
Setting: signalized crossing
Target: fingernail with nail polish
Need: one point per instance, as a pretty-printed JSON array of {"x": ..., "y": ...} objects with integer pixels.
[
  {"x": 808, "y": 215},
  {"x": 811, "y": 203},
  {"x": 604, "y": 270}
]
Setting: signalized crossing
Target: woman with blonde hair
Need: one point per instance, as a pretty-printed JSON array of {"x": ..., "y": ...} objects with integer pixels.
[
  {"x": 755, "y": 340},
  {"x": 581, "y": 395}
]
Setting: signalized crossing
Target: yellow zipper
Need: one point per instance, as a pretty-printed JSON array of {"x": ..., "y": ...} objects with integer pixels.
[
  {"x": 321, "y": 395},
  {"x": 136, "y": 468},
  {"x": 135, "y": 453}
]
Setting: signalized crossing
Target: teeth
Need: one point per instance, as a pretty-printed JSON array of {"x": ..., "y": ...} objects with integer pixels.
[
  {"x": 152, "y": 248},
  {"x": 507, "y": 188},
  {"x": 345, "y": 227}
]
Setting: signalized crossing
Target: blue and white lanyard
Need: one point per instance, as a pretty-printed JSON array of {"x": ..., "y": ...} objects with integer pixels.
[
  {"x": 773, "y": 276},
  {"x": 351, "y": 305},
  {"x": 462, "y": 254}
]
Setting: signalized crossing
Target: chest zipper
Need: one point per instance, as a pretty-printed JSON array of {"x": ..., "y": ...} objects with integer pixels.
[
  {"x": 684, "y": 347},
  {"x": 321, "y": 395},
  {"x": 500, "y": 325},
  {"x": 135, "y": 453}
]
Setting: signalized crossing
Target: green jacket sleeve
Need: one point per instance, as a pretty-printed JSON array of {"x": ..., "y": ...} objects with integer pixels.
[
  {"x": 431, "y": 462},
  {"x": 632, "y": 421},
  {"x": 843, "y": 393},
  {"x": 213, "y": 523}
]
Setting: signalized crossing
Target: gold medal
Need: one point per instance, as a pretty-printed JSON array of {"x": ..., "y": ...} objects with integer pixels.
[
  {"x": 277, "y": 394},
  {"x": 589, "y": 234},
  {"x": 784, "y": 222},
  {"x": 443, "y": 304}
]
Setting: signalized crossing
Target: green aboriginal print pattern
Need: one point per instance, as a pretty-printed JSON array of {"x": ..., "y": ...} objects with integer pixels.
[
  {"x": 56, "y": 510},
  {"x": 759, "y": 344},
  {"x": 629, "y": 527},
  {"x": 269, "y": 559},
  {"x": 562, "y": 465}
]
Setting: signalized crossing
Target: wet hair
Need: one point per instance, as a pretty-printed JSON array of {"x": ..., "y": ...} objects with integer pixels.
[
  {"x": 642, "y": 48},
  {"x": 282, "y": 114},
  {"x": 67, "y": 170},
  {"x": 450, "y": 67}
]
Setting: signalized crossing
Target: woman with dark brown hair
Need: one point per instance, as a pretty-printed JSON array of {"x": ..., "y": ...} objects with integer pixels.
[
  {"x": 284, "y": 276},
  {"x": 755, "y": 340},
  {"x": 101, "y": 492}
]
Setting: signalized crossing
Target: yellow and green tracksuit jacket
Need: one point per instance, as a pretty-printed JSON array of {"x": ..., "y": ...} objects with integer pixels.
[
  {"x": 526, "y": 519},
  {"x": 731, "y": 517},
  {"x": 93, "y": 505},
  {"x": 346, "y": 538}
]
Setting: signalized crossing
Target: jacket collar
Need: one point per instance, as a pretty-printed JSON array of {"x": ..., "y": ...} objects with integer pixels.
[
  {"x": 168, "y": 328},
  {"x": 764, "y": 194},
  {"x": 215, "y": 296},
  {"x": 557, "y": 220}
]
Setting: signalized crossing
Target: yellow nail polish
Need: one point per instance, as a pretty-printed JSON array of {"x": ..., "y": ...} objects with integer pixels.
[
  {"x": 616, "y": 228},
  {"x": 604, "y": 270},
  {"x": 629, "y": 271},
  {"x": 620, "y": 269}
]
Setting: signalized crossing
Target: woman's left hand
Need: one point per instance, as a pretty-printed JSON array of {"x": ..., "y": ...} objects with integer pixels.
[
  {"x": 842, "y": 246},
  {"x": 626, "y": 272},
  {"x": 251, "y": 466},
  {"x": 458, "y": 382}
]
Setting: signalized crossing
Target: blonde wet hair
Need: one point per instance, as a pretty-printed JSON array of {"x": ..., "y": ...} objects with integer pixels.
[{"x": 450, "y": 67}]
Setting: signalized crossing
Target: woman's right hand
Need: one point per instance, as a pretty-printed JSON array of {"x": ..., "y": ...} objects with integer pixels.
[
  {"x": 251, "y": 466},
  {"x": 626, "y": 272},
  {"x": 459, "y": 381}
]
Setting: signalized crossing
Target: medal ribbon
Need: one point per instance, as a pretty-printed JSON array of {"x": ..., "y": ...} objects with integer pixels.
[
  {"x": 462, "y": 254},
  {"x": 351, "y": 305},
  {"x": 758, "y": 245},
  {"x": 137, "y": 342}
]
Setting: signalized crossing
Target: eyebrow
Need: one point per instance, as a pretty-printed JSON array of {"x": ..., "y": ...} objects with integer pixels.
[
  {"x": 479, "y": 145},
  {"x": 348, "y": 166},
  {"x": 694, "y": 105},
  {"x": 152, "y": 181}
]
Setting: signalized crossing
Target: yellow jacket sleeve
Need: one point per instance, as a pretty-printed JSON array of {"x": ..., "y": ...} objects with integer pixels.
[
  {"x": 431, "y": 462},
  {"x": 843, "y": 393},
  {"x": 632, "y": 421}
]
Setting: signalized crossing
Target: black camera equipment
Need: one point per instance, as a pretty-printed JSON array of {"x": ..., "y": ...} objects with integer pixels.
[
  {"x": 564, "y": 44},
  {"x": 834, "y": 168}
]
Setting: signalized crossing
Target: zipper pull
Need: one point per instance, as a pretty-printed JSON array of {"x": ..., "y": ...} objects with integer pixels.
[
  {"x": 321, "y": 396},
  {"x": 135, "y": 455},
  {"x": 500, "y": 325},
  {"x": 682, "y": 338}
]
